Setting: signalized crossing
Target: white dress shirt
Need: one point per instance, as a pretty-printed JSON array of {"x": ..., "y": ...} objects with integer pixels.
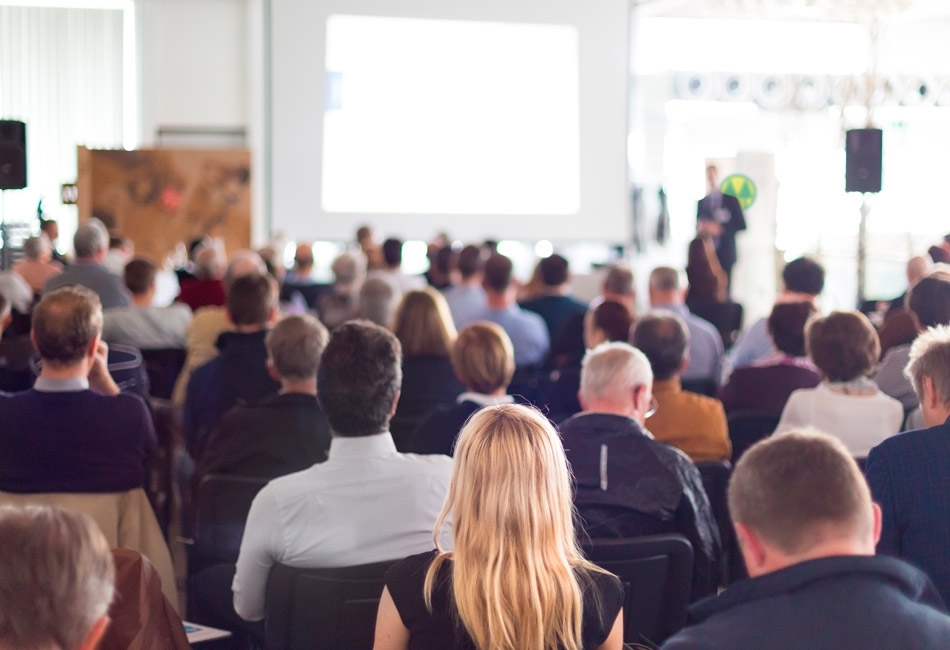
[{"x": 367, "y": 503}]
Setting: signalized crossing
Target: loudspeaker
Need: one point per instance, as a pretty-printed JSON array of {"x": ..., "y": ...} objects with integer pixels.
[
  {"x": 863, "y": 166},
  {"x": 12, "y": 155}
]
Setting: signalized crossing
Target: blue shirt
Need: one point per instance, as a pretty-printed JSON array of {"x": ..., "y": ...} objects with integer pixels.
[
  {"x": 527, "y": 331},
  {"x": 754, "y": 344},
  {"x": 465, "y": 303},
  {"x": 705, "y": 346}
]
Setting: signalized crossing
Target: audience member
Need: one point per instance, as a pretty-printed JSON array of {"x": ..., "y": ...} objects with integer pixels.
[
  {"x": 73, "y": 431},
  {"x": 899, "y": 327},
  {"x": 207, "y": 289},
  {"x": 121, "y": 252},
  {"x": 705, "y": 343},
  {"x": 441, "y": 258},
  {"x": 555, "y": 304},
  {"x": 15, "y": 354},
  {"x": 907, "y": 473},
  {"x": 186, "y": 271},
  {"x": 37, "y": 265},
  {"x": 91, "y": 244},
  {"x": 484, "y": 362},
  {"x": 143, "y": 325},
  {"x": 928, "y": 302},
  {"x": 845, "y": 348},
  {"x": 392, "y": 271},
  {"x": 807, "y": 529},
  {"x": 339, "y": 304},
  {"x": 515, "y": 576},
  {"x": 695, "y": 424},
  {"x": 764, "y": 387},
  {"x": 803, "y": 279},
  {"x": 618, "y": 286},
  {"x": 376, "y": 504},
  {"x": 282, "y": 433},
  {"x": 466, "y": 298},
  {"x": 302, "y": 271},
  {"x": 705, "y": 277},
  {"x": 527, "y": 331},
  {"x": 377, "y": 301},
  {"x": 50, "y": 228},
  {"x": 369, "y": 246},
  {"x": 424, "y": 328},
  {"x": 940, "y": 253},
  {"x": 627, "y": 483},
  {"x": 298, "y": 286},
  {"x": 57, "y": 580},
  {"x": 239, "y": 372}
]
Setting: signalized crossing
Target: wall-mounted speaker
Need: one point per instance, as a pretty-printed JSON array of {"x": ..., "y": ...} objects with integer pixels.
[
  {"x": 12, "y": 155},
  {"x": 863, "y": 149}
]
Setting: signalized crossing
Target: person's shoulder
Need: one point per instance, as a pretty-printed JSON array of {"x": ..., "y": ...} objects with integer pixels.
[
  {"x": 910, "y": 443},
  {"x": 427, "y": 464},
  {"x": 699, "y": 324},
  {"x": 412, "y": 565}
]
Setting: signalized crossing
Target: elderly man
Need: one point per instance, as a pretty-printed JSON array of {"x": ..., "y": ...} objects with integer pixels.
[
  {"x": 907, "y": 473},
  {"x": 207, "y": 287},
  {"x": 37, "y": 265},
  {"x": 628, "y": 484},
  {"x": 694, "y": 423},
  {"x": 57, "y": 580},
  {"x": 807, "y": 529},
  {"x": 73, "y": 431},
  {"x": 91, "y": 244}
]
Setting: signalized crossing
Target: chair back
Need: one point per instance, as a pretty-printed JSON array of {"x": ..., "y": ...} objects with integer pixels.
[
  {"x": 705, "y": 387},
  {"x": 322, "y": 609},
  {"x": 715, "y": 475},
  {"x": 656, "y": 573},
  {"x": 221, "y": 507},
  {"x": 163, "y": 365},
  {"x": 748, "y": 427},
  {"x": 725, "y": 317}
]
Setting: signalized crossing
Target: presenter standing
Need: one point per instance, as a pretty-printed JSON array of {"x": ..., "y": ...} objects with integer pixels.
[{"x": 720, "y": 216}]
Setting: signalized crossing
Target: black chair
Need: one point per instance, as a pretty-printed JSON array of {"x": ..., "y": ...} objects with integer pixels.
[
  {"x": 725, "y": 316},
  {"x": 705, "y": 387},
  {"x": 163, "y": 365},
  {"x": 748, "y": 427},
  {"x": 715, "y": 475},
  {"x": 322, "y": 609},
  {"x": 656, "y": 572},
  {"x": 221, "y": 507}
]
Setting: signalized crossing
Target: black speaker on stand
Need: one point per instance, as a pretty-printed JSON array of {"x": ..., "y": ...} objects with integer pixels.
[
  {"x": 12, "y": 173},
  {"x": 863, "y": 158}
]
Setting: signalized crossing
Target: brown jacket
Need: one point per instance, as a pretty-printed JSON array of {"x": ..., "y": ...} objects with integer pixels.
[{"x": 694, "y": 423}]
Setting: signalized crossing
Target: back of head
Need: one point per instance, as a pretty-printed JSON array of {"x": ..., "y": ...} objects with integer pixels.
[
  {"x": 294, "y": 346},
  {"x": 209, "y": 263},
  {"x": 514, "y": 543},
  {"x": 252, "y": 299},
  {"x": 377, "y": 301},
  {"x": 243, "y": 262},
  {"x": 469, "y": 261},
  {"x": 139, "y": 275},
  {"x": 613, "y": 370},
  {"x": 497, "y": 273},
  {"x": 664, "y": 339},
  {"x": 665, "y": 279},
  {"x": 843, "y": 344},
  {"x": 554, "y": 270},
  {"x": 619, "y": 281},
  {"x": 56, "y": 579},
  {"x": 483, "y": 358},
  {"x": 346, "y": 269},
  {"x": 392, "y": 252},
  {"x": 359, "y": 375},
  {"x": 804, "y": 275},
  {"x": 35, "y": 247},
  {"x": 930, "y": 357},
  {"x": 65, "y": 323},
  {"x": 613, "y": 319},
  {"x": 787, "y": 326},
  {"x": 423, "y": 324},
  {"x": 800, "y": 490},
  {"x": 91, "y": 239},
  {"x": 929, "y": 300},
  {"x": 303, "y": 257}
]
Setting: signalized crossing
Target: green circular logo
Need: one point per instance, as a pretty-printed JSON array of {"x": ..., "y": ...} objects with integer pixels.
[{"x": 741, "y": 187}]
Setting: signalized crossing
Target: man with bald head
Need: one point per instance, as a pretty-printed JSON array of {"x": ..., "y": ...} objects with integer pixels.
[{"x": 807, "y": 530}]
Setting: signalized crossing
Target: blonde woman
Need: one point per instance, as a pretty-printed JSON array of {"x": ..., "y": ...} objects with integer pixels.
[{"x": 516, "y": 579}]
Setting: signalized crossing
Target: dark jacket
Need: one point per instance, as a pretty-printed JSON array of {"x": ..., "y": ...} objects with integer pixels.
[
  {"x": 833, "y": 603},
  {"x": 645, "y": 487}
]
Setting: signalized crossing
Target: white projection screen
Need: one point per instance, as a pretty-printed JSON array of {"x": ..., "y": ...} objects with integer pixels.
[{"x": 502, "y": 119}]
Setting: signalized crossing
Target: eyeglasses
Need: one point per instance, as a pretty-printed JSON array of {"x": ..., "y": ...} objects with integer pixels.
[{"x": 653, "y": 407}]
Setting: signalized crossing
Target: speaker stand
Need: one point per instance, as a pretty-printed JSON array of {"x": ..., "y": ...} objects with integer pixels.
[{"x": 862, "y": 246}]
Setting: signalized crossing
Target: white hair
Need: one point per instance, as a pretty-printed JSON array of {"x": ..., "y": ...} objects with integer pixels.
[
  {"x": 91, "y": 237},
  {"x": 930, "y": 357},
  {"x": 614, "y": 369}
]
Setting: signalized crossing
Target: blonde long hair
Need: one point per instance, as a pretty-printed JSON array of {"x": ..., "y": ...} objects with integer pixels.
[{"x": 518, "y": 576}]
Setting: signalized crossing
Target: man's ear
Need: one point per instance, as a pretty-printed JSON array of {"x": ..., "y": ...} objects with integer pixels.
[
  {"x": 929, "y": 397},
  {"x": 684, "y": 364},
  {"x": 95, "y": 634},
  {"x": 271, "y": 370},
  {"x": 581, "y": 400},
  {"x": 228, "y": 312},
  {"x": 94, "y": 346},
  {"x": 392, "y": 411},
  {"x": 753, "y": 551},
  {"x": 878, "y": 517},
  {"x": 272, "y": 317}
]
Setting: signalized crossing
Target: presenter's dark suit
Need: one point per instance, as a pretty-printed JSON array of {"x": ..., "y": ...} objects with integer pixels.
[{"x": 731, "y": 224}]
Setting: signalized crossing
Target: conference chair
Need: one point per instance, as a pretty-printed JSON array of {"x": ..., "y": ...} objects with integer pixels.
[
  {"x": 656, "y": 573},
  {"x": 221, "y": 506},
  {"x": 163, "y": 365},
  {"x": 748, "y": 427},
  {"x": 725, "y": 316},
  {"x": 715, "y": 475},
  {"x": 705, "y": 387},
  {"x": 322, "y": 609}
]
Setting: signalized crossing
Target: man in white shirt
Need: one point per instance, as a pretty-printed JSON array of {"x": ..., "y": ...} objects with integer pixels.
[{"x": 366, "y": 503}]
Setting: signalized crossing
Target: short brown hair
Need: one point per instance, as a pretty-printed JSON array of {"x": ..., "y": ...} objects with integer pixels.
[
  {"x": 469, "y": 261},
  {"x": 498, "y": 273},
  {"x": 554, "y": 270},
  {"x": 294, "y": 346},
  {"x": 251, "y": 299},
  {"x": 359, "y": 375},
  {"x": 65, "y": 323},
  {"x": 483, "y": 358},
  {"x": 843, "y": 345},
  {"x": 787, "y": 326},
  {"x": 619, "y": 281},
  {"x": 929, "y": 300},
  {"x": 613, "y": 319},
  {"x": 423, "y": 324},
  {"x": 139, "y": 275},
  {"x": 799, "y": 489},
  {"x": 663, "y": 337},
  {"x": 57, "y": 577}
]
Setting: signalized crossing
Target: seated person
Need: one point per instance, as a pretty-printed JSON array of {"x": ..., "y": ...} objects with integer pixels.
[
  {"x": 845, "y": 348},
  {"x": 91, "y": 243},
  {"x": 73, "y": 431},
  {"x": 377, "y": 302},
  {"x": 899, "y": 327},
  {"x": 693, "y": 423},
  {"x": 484, "y": 362},
  {"x": 907, "y": 472},
  {"x": 142, "y": 325},
  {"x": 338, "y": 305},
  {"x": 513, "y": 577},
  {"x": 207, "y": 289},
  {"x": 283, "y": 433},
  {"x": 37, "y": 265},
  {"x": 239, "y": 372},
  {"x": 299, "y": 286},
  {"x": 628, "y": 484},
  {"x": 466, "y": 298},
  {"x": 764, "y": 387},
  {"x": 555, "y": 304},
  {"x": 15, "y": 354},
  {"x": 57, "y": 581},
  {"x": 807, "y": 529}
]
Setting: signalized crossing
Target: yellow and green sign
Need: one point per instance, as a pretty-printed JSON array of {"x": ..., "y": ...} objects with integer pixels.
[{"x": 741, "y": 187}]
